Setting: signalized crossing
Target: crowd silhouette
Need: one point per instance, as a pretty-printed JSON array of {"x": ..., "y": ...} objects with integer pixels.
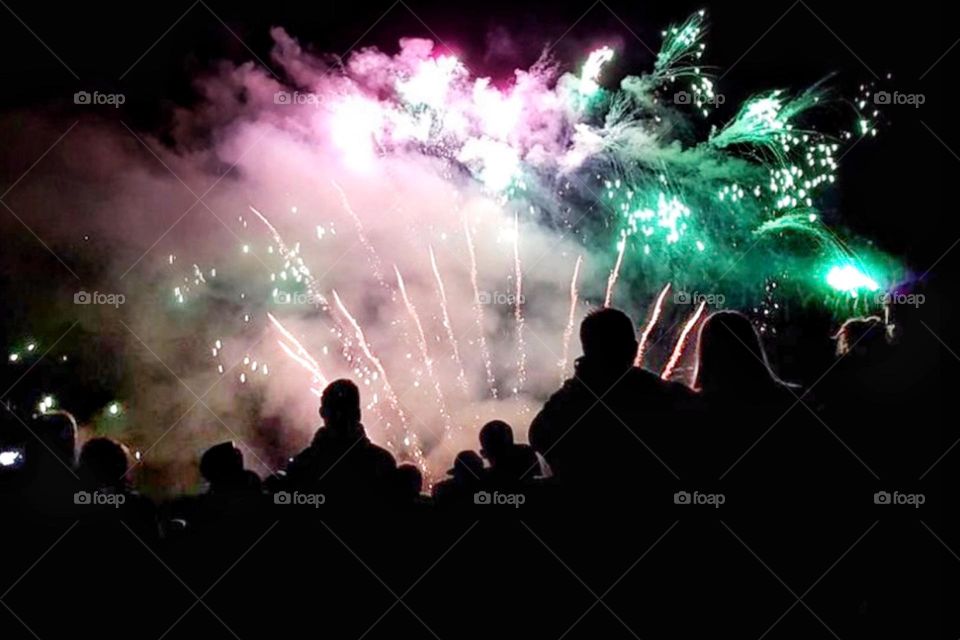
[{"x": 614, "y": 439}]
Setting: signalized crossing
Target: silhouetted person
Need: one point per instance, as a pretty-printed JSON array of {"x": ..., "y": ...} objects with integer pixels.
[
  {"x": 37, "y": 465},
  {"x": 919, "y": 327},
  {"x": 58, "y": 431},
  {"x": 510, "y": 464},
  {"x": 222, "y": 467},
  {"x": 341, "y": 461},
  {"x": 766, "y": 441},
  {"x": 103, "y": 468},
  {"x": 613, "y": 427},
  {"x": 743, "y": 395},
  {"x": 407, "y": 487},
  {"x": 864, "y": 338},
  {"x": 233, "y": 492},
  {"x": 466, "y": 479},
  {"x": 869, "y": 399},
  {"x": 732, "y": 363},
  {"x": 764, "y": 451},
  {"x": 104, "y": 464},
  {"x": 884, "y": 397},
  {"x": 41, "y": 456}
]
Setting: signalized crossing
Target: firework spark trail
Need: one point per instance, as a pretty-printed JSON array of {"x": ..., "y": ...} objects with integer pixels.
[
  {"x": 312, "y": 285},
  {"x": 461, "y": 375},
  {"x": 478, "y": 308},
  {"x": 518, "y": 307},
  {"x": 682, "y": 342},
  {"x": 314, "y": 289},
  {"x": 651, "y": 323},
  {"x": 568, "y": 332},
  {"x": 273, "y": 230},
  {"x": 291, "y": 255},
  {"x": 615, "y": 273},
  {"x": 302, "y": 356},
  {"x": 424, "y": 352},
  {"x": 410, "y": 439},
  {"x": 374, "y": 257},
  {"x": 303, "y": 362}
]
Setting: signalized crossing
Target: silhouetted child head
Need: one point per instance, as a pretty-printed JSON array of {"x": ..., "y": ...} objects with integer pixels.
[
  {"x": 863, "y": 337},
  {"x": 496, "y": 438},
  {"x": 222, "y": 464},
  {"x": 607, "y": 336},
  {"x": 104, "y": 463},
  {"x": 467, "y": 466},
  {"x": 730, "y": 354},
  {"x": 408, "y": 482},
  {"x": 340, "y": 404}
]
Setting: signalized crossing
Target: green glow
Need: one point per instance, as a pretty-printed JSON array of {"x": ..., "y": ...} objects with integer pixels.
[
  {"x": 47, "y": 404},
  {"x": 670, "y": 214},
  {"x": 849, "y": 279},
  {"x": 738, "y": 210}
]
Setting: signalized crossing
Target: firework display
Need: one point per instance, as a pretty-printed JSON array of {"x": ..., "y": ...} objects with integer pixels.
[
  {"x": 436, "y": 235},
  {"x": 658, "y": 195}
]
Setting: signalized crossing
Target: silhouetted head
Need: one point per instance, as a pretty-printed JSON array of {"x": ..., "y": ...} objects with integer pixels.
[
  {"x": 863, "y": 337},
  {"x": 340, "y": 404},
  {"x": 56, "y": 434},
  {"x": 104, "y": 462},
  {"x": 608, "y": 337},
  {"x": 222, "y": 464},
  {"x": 409, "y": 481},
  {"x": 496, "y": 438},
  {"x": 467, "y": 466},
  {"x": 730, "y": 356}
]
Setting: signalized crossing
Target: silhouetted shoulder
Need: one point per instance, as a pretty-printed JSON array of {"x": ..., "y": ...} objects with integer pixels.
[
  {"x": 382, "y": 458},
  {"x": 560, "y": 404},
  {"x": 649, "y": 381}
]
